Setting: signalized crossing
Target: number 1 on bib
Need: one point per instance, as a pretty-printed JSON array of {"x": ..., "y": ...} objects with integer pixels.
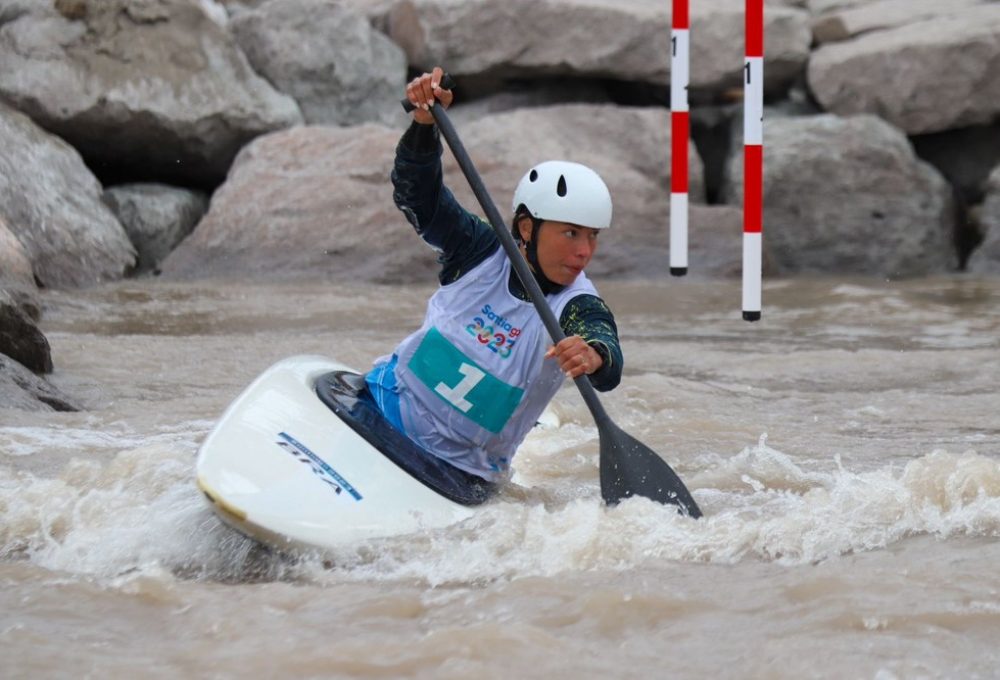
[{"x": 456, "y": 395}]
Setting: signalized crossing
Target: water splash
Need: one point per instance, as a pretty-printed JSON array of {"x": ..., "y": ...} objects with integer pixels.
[
  {"x": 137, "y": 514},
  {"x": 140, "y": 514}
]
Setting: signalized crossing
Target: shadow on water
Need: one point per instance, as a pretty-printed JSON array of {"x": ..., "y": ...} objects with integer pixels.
[{"x": 241, "y": 560}]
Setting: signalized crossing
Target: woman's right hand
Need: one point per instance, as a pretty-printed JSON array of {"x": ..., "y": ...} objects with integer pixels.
[{"x": 424, "y": 91}]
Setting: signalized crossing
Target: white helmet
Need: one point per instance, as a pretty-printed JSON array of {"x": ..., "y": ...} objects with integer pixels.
[{"x": 562, "y": 191}]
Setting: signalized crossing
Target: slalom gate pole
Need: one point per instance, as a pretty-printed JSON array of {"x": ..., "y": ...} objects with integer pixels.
[
  {"x": 753, "y": 159},
  {"x": 680, "y": 126}
]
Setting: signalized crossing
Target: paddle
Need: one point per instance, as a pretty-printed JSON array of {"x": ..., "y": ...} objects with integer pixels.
[{"x": 628, "y": 467}]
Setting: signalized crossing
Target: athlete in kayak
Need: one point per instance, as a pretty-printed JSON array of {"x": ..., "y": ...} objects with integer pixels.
[{"x": 473, "y": 380}]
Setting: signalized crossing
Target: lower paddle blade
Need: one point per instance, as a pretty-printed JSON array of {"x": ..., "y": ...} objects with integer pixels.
[{"x": 630, "y": 468}]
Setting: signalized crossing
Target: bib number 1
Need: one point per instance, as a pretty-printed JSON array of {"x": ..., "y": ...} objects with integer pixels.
[
  {"x": 456, "y": 395},
  {"x": 461, "y": 383}
]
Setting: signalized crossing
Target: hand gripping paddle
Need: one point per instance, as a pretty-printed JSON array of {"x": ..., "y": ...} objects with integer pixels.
[{"x": 628, "y": 467}]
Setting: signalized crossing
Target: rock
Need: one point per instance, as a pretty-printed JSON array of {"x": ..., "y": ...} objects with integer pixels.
[
  {"x": 627, "y": 40},
  {"x": 52, "y": 205},
  {"x": 27, "y": 301},
  {"x": 22, "y": 390},
  {"x": 932, "y": 75},
  {"x": 512, "y": 97},
  {"x": 327, "y": 57},
  {"x": 156, "y": 218},
  {"x": 827, "y": 6},
  {"x": 849, "y": 22},
  {"x": 316, "y": 202},
  {"x": 849, "y": 196},
  {"x": 20, "y": 338},
  {"x": 986, "y": 258},
  {"x": 306, "y": 202},
  {"x": 148, "y": 89}
]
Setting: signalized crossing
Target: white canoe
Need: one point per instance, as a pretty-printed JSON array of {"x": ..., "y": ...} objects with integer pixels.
[{"x": 282, "y": 467}]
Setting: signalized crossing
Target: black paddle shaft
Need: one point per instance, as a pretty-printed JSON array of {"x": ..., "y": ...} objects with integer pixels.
[{"x": 628, "y": 467}]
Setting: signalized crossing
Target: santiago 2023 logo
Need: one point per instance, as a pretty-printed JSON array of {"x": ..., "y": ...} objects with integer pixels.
[{"x": 494, "y": 331}]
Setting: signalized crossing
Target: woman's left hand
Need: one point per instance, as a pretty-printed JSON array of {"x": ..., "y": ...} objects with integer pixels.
[{"x": 575, "y": 357}]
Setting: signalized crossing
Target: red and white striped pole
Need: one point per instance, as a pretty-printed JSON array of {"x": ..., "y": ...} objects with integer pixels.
[
  {"x": 753, "y": 158},
  {"x": 680, "y": 132}
]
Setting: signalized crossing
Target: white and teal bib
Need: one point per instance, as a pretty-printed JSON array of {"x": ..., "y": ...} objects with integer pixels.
[{"x": 472, "y": 381}]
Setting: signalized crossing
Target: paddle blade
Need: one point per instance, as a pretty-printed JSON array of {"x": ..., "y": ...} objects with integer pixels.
[{"x": 630, "y": 468}]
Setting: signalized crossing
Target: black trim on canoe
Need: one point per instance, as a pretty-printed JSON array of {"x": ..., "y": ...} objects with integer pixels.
[{"x": 346, "y": 394}]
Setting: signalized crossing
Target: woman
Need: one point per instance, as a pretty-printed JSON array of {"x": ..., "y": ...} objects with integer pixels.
[{"x": 472, "y": 381}]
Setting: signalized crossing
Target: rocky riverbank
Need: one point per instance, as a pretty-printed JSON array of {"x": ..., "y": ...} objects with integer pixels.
[{"x": 254, "y": 138}]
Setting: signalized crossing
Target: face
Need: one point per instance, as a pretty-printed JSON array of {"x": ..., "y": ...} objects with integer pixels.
[{"x": 564, "y": 250}]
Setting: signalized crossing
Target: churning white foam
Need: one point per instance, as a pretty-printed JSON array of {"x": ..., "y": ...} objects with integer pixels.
[
  {"x": 760, "y": 505},
  {"x": 141, "y": 513}
]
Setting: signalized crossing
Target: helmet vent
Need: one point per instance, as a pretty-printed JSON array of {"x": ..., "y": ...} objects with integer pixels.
[
  {"x": 534, "y": 176},
  {"x": 561, "y": 187}
]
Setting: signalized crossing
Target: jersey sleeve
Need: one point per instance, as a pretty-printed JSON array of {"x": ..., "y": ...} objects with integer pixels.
[
  {"x": 589, "y": 317},
  {"x": 461, "y": 239}
]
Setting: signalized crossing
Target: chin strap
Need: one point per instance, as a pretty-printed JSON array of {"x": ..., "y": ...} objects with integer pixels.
[{"x": 531, "y": 249}]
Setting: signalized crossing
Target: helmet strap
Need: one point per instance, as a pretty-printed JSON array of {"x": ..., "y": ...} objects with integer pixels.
[{"x": 547, "y": 285}]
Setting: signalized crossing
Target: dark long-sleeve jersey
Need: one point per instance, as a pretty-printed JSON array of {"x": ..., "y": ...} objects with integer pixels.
[{"x": 463, "y": 240}]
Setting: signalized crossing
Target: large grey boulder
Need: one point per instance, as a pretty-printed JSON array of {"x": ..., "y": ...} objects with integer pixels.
[
  {"x": 52, "y": 204},
  {"x": 628, "y": 40},
  {"x": 327, "y": 57},
  {"x": 156, "y": 218},
  {"x": 317, "y": 202},
  {"x": 849, "y": 196},
  {"x": 148, "y": 88},
  {"x": 986, "y": 258},
  {"x": 306, "y": 202},
  {"x": 844, "y": 23},
  {"x": 928, "y": 76}
]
